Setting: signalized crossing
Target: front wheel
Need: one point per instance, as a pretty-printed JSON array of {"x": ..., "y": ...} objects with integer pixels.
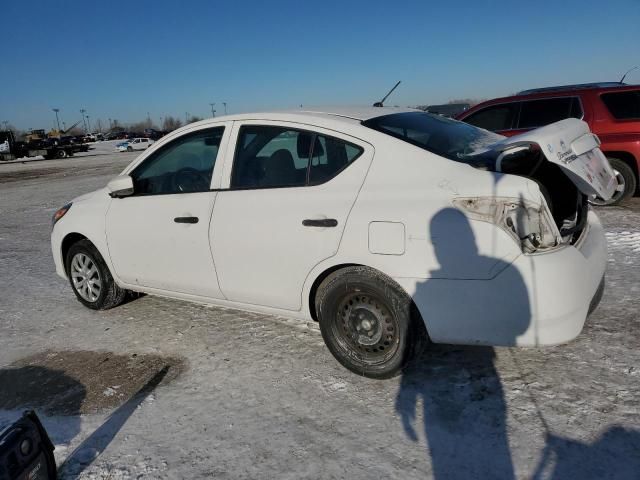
[
  {"x": 129, "y": 149},
  {"x": 366, "y": 323},
  {"x": 625, "y": 184},
  {"x": 90, "y": 277}
]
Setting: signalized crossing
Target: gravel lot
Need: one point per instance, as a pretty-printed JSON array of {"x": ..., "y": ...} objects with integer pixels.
[{"x": 167, "y": 389}]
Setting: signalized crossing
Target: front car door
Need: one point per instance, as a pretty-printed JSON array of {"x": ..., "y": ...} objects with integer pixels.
[
  {"x": 158, "y": 238},
  {"x": 287, "y": 198}
]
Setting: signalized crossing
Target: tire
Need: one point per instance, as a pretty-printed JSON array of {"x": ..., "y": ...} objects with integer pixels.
[
  {"x": 103, "y": 293},
  {"x": 366, "y": 322},
  {"x": 129, "y": 149},
  {"x": 626, "y": 184},
  {"x": 61, "y": 154}
]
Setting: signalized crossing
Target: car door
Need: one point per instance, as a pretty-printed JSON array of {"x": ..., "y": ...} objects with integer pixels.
[
  {"x": 288, "y": 197},
  {"x": 159, "y": 236}
]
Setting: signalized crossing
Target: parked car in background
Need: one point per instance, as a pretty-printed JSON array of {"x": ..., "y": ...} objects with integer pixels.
[
  {"x": 94, "y": 137},
  {"x": 377, "y": 222},
  {"x": 139, "y": 143},
  {"x": 153, "y": 134},
  {"x": 447, "y": 109},
  {"x": 612, "y": 111}
]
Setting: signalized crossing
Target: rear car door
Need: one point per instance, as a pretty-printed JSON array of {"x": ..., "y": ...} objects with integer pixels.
[
  {"x": 159, "y": 236},
  {"x": 287, "y": 199}
]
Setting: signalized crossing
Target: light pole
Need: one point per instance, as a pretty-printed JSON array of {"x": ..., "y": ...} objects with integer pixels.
[
  {"x": 225, "y": 107},
  {"x": 213, "y": 112},
  {"x": 57, "y": 119},
  {"x": 88, "y": 125},
  {"x": 161, "y": 124},
  {"x": 84, "y": 123},
  {"x": 186, "y": 117}
]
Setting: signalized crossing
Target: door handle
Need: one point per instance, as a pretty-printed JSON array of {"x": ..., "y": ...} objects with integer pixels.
[
  {"x": 186, "y": 219},
  {"x": 320, "y": 222}
]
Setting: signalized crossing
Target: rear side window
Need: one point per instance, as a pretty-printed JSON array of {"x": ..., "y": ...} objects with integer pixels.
[
  {"x": 495, "y": 117},
  {"x": 537, "y": 113},
  {"x": 623, "y": 105},
  {"x": 268, "y": 157},
  {"x": 330, "y": 156}
]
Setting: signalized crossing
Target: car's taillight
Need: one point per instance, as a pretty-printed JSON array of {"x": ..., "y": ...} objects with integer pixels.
[{"x": 530, "y": 224}]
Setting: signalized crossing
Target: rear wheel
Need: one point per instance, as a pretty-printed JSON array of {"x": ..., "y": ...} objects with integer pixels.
[
  {"x": 365, "y": 320},
  {"x": 625, "y": 184},
  {"x": 90, "y": 277}
]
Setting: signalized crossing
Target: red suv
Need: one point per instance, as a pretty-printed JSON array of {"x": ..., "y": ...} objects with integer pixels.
[{"x": 612, "y": 111}]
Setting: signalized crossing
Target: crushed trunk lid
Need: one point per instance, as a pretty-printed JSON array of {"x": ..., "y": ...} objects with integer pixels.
[{"x": 569, "y": 144}]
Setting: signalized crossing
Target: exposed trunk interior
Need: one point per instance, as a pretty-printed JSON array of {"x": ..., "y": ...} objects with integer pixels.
[{"x": 568, "y": 205}]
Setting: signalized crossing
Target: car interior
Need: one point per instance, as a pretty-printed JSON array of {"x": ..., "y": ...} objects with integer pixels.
[{"x": 185, "y": 166}]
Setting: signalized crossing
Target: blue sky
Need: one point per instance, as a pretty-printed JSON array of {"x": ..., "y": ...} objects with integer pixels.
[{"x": 124, "y": 59}]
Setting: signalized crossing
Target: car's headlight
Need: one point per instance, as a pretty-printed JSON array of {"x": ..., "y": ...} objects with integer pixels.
[
  {"x": 530, "y": 224},
  {"x": 61, "y": 212}
]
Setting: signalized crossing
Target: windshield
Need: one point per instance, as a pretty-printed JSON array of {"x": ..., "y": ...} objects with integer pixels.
[{"x": 445, "y": 137}]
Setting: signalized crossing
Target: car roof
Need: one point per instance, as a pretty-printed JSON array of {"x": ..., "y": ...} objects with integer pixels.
[
  {"x": 544, "y": 93},
  {"x": 349, "y": 115},
  {"x": 569, "y": 90},
  {"x": 579, "y": 86}
]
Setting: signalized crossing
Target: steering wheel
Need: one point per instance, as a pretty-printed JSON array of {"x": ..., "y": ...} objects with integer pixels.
[{"x": 190, "y": 180}]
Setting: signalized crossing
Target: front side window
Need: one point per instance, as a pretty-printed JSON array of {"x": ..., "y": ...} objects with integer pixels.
[
  {"x": 268, "y": 157},
  {"x": 538, "y": 113},
  {"x": 495, "y": 117},
  {"x": 623, "y": 105},
  {"x": 183, "y": 166}
]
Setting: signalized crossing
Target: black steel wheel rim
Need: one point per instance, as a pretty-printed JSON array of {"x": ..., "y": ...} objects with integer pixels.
[{"x": 365, "y": 328}]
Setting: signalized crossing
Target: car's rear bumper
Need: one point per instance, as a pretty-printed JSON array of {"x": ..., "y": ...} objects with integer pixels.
[{"x": 540, "y": 299}]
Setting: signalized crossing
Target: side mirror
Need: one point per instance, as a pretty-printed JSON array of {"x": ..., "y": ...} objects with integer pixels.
[{"x": 121, "y": 186}]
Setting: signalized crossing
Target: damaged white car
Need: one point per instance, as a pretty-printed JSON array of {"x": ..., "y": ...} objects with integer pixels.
[{"x": 380, "y": 223}]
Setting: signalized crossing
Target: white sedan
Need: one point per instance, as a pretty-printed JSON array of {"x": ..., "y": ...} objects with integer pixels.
[
  {"x": 135, "y": 144},
  {"x": 388, "y": 226}
]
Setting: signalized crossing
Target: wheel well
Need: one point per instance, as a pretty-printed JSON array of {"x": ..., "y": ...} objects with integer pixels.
[
  {"x": 318, "y": 281},
  {"x": 69, "y": 240},
  {"x": 630, "y": 160},
  {"x": 415, "y": 313}
]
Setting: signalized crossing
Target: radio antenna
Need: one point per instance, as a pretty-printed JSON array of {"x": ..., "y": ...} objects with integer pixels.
[
  {"x": 381, "y": 102},
  {"x": 628, "y": 72}
]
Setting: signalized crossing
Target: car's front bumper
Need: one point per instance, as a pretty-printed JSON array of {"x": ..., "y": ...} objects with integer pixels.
[{"x": 540, "y": 299}]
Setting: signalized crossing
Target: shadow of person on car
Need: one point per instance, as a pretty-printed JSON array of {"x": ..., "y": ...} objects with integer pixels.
[
  {"x": 48, "y": 391},
  {"x": 464, "y": 410}
]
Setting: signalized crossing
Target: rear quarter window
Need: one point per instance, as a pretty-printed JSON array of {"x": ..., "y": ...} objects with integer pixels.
[
  {"x": 538, "y": 113},
  {"x": 623, "y": 105},
  {"x": 495, "y": 117}
]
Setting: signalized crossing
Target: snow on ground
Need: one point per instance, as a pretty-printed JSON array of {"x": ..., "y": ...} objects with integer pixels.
[
  {"x": 261, "y": 397},
  {"x": 624, "y": 240}
]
